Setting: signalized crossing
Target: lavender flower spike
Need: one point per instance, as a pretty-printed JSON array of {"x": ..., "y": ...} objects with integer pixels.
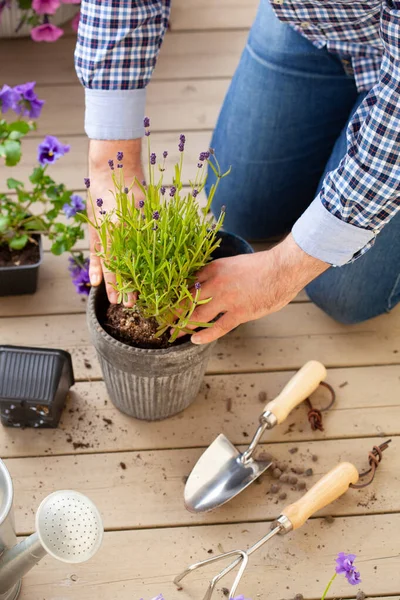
[
  {"x": 153, "y": 158},
  {"x": 120, "y": 156},
  {"x": 141, "y": 203},
  {"x": 86, "y": 181},
  {"x": 111, "y": 164},
  {"x": 165, "y": 154},
  {"x": 156, "y": 215},
  {"x": 345, "y": 565},
  {"x": 162, "y": 190},
  {"x": 146, "y": 122},
  {"x": 197, "y": 285},
  {"x": 99, "y": 202},
  {"x": 195, "y": 193},
  {"x": 172, "y": 191}
]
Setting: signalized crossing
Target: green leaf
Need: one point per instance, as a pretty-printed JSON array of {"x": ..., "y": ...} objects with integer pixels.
[
  {"x": 37, "y": 175},
  {"x": 13, "y": 152},
  {"x": 58, "y": 247},
  {"x": 14, "y": 184},
  {"x": 25, "y": 4},
  {"x": 20, "y": 126},
  {"x": 35, "y": 225},
  {"x": 18, "y": 242},
  {"x": 4, "y": 223}
]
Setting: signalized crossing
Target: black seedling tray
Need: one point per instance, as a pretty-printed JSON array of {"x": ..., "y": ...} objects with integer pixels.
[{"x": 34, "y": 383}]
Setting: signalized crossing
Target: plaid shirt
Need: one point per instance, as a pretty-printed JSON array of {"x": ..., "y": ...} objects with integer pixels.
[{"x": 117, "y": 47}]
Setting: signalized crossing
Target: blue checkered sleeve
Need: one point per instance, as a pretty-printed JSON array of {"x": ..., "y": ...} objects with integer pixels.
[
  {"x": 117, "y": 47},
  {"x": 361, "y": 196}
]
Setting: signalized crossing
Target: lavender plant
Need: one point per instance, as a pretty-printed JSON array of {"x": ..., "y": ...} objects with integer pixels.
[
  {"x": 25, "y": 214},
  {"x": 155, "y": 246}
]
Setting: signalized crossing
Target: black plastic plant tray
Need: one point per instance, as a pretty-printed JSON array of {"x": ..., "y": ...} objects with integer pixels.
[{"x": 34, "y": 383}]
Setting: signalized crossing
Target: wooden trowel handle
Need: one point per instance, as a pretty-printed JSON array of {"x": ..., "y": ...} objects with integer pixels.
[
  {"x": 330, "y": 487},
  {"x": 300, "y": 387}
]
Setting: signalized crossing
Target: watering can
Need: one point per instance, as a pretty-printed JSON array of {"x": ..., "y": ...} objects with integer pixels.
[{"x": 68, "y": 528}]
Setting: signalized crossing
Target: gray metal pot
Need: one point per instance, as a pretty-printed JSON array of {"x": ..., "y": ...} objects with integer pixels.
[{"x": 152, "y": 384}]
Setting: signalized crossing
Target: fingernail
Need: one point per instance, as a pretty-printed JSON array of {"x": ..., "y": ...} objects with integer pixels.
[
  {"x": 195, "y": 340},
  {"x": 113, "y": 297},
  {"x": 95, "y": 279}
]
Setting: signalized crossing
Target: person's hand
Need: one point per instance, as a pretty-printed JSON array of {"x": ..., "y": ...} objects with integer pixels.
[
  {"x": 100, "y": 152},
  {"x": 250, "y": 286}
]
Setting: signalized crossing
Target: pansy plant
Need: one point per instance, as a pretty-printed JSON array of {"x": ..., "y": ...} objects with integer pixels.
[
  {"x": 47, "y": 208},
  {"x": 156, "y": 243}
]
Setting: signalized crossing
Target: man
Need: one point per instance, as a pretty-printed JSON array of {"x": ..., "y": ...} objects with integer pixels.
[{"x": 311, "y": 127}]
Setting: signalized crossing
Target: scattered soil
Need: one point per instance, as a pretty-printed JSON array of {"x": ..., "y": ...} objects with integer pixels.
[
  {"x": 314, "y": 458},
  {"x": 262, "y": 397},
  {"x": 122, "y": 465},
  {"x": 308, "y": 472},
  {"x": 274, "y": 489},
  {"x": 293, "y": 450},
  {"x": 29, "y": 255},
  {"x": 276, "y": 473},
  {"x": 229, "y": 405},
  {"x": 128, "y": 326},
  {"x": 301, "y": 485},
  {"x": 298, "y": 597},
  {"x": 360, "y": 595},
  {"x": 329, "y": 519},
  {"x": 283, "y": 496}
]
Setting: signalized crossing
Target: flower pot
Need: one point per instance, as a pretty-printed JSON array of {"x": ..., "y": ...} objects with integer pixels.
[
  {"x": 152, "y": 384},
  {"x": 11, "y": 17},
  {"x": 22, "y": 279},
  {"x": 34, "y": 383}
]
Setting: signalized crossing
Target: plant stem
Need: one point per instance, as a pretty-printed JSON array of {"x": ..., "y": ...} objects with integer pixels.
[{"x": 328, "y": 587}]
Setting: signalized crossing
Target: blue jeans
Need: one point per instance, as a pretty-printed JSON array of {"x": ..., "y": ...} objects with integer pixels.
[{"x": 282, "y": 127}]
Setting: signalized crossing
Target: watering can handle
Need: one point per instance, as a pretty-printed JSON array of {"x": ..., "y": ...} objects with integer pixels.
[
  {"x": 300, "y": 387},
  {"x": 330, "y": 487}
]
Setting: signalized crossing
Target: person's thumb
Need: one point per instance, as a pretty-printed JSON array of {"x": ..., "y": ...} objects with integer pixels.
[{"x": 95, "y": 270}]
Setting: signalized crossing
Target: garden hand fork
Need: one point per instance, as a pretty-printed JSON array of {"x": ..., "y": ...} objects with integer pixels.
[{"x": 330, "y": 487}]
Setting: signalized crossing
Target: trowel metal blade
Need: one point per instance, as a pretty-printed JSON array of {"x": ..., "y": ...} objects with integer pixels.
[{"x": 220, "y": 475}]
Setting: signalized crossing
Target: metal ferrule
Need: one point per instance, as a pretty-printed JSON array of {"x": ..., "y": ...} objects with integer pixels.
[
  {"x": 284, "y": 523},
  {"x": 269, "y": 419}
]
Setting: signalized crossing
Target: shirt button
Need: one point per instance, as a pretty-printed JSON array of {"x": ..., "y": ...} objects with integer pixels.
[
  {"x": 305, "y": 24},
  {"x": 278, "y": 1}
]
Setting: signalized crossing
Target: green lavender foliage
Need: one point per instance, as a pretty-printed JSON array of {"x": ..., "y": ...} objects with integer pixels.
[{"x": 157, "y": 249}]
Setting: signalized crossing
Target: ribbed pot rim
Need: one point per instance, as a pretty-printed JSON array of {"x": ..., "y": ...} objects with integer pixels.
[{"x": 129, "y": 349}]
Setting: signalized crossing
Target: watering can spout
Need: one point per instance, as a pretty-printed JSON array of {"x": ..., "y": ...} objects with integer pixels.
[{"x": 20, "y": 559}]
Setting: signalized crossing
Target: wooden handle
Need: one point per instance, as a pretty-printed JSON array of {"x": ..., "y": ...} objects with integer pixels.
[
  {"x": 330, "y": 487},
  {"x": 300, "y": 387}
]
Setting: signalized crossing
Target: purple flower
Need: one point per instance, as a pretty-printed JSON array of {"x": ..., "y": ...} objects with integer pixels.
[
  {"x": 165, "y": 154},
  {"x": 141, "y": 203},
  {"x": 120, "y": 156},
  {"x": 143, "y": 182},
  {"x": 172, "y": 191},
  {"x": 111, "y": 164},
  {"x": 156, "y": 215},
  {"x": 126, "y": 190},
  {"x": 147, "y": 133},
  {"x": 8, "y": 98},
  {"x": 241, "y": 597},
  {"x": 86, "y": 181},
  {"x": 28, "y": 104},
  {"x": 119, "y": 166},
  {"x": 344, "y": 564},
  {"x": 182, "y": 138},
  {"x": 199, "y": 165},
  {"x": 181, "y": 147},
  {"x": 46, "y": 33},
  {"x": 195, "y": 193},
  {"x": 51, "y": 150},
  {"x": 155, "y": 228},
  {"x": 99, "y": 202},
  {"x": 204, "y": 156},
  {"x": 162, "y": 190},
  {"x": 79, "y": 269},
  {"x": 153, "y": 158},
  {"x": 197, "y": 285},
  {"x": 146, "y": 122},
  {"x": 103, "y": 212},
  {"x": 76, "y": 204},
  {"x": 45, "y": 7}
]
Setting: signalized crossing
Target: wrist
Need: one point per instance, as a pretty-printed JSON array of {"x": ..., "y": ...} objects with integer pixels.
[
  {"x": 296, "y": 266},
  {"x": 101, "y": 151}
]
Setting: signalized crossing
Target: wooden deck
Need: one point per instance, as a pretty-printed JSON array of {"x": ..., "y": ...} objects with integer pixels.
[{"x": 150, "y": 536}]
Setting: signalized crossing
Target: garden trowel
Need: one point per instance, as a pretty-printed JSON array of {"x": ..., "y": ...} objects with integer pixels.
[{"x": 222, "y": 472}]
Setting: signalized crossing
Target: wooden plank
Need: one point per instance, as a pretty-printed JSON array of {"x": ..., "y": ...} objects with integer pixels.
[
  {"x": 148, "y": 487},
  {"x": 55, "y": 293},
  {"x": 301, "y": 562},
  {"x": 195, "y": 55},
  {"x": 366, "y": 406},
  {"x": 225, "y": 14},
  {"x": 188, "y": 105},
  {"x": 72, "y": 168},
  {"x": 281, "y": 341}
]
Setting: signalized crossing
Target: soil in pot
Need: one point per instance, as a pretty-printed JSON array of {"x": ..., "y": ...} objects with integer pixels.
[
  {"x": 128, "y": 326},
  {"x": 30, "y": 255}
]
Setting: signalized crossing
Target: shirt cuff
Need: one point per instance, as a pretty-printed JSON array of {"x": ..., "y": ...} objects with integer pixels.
[
  {"x": 322, "y": 235},
  {"x": 114, "y": 114}
]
